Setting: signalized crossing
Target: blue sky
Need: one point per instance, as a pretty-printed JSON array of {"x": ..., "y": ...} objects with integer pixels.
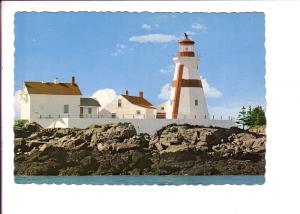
[{"x": 134, "y": 51}]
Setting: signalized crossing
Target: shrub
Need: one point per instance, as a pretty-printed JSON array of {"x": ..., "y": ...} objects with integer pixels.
[{"x": 20, "y": 123}]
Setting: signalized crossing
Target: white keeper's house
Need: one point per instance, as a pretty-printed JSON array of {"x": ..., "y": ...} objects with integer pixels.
[
  {"x": 55, "y": 100},
  {"x": 126, "y": 106}
]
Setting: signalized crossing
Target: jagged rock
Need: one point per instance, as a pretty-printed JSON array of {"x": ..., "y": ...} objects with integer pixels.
[
  {"x": 102, "y": 147},
  {"x": 122, "y": 147},
  {"x": 202, "y": 143},
  {"x": 176, "y": 148},
  {"x": 33, "y": 127},
  {"x": 20, "y": 145},
  {"x": 116, "y": 149},
  {"x": 159, "y": 147},
  {"x": 33, "y": 144},
  {"x": 21, "y": 133},
  {"x": 33, "y": 150},
  {"x": 43, "y": 147}
]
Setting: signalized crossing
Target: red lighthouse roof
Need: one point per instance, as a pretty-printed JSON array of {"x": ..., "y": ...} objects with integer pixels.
[{"x": 186, "y": 40}]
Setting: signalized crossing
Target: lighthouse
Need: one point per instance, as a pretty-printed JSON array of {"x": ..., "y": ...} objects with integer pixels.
[{"x": 187, "y": 100}]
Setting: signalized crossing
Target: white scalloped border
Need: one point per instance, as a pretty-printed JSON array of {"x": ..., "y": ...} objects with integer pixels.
[{"x": 149, "y": 199}]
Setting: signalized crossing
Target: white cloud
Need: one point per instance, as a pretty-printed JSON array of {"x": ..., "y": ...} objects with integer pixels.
[
  {"x": 119, "y": 49},
  {"x": 209, "y": 90},
  {"x": 146, "y": 26},
  {"x": 104, "y": 96},
  {"x": 121, "y": 46},
  {"x": 198, "y": 26},
  {"x": 165, "y": 92},
  {"x": 159, "y": 38},
  {"x": 168, "y": 69},
  {"x": 149, "y": 27},
  {"x": 17, "y": 104}
]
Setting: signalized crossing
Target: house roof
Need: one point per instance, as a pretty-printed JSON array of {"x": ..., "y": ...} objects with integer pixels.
[
  {"x": 52, "y": 88},
  {"x": 85, "y": 101},
  {"x": 139, "y": 101}
]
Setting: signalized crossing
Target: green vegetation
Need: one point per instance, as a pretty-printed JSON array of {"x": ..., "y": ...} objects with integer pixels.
[
  {"x": 252, "y": 117},
  {"x": 20, "y": 124}
]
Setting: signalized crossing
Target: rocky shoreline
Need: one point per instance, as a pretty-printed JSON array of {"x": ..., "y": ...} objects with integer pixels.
[{"x": 117, "y": 149}]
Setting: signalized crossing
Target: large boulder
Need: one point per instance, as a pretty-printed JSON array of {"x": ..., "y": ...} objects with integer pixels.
[
  {"x": 113, "y": 133},
  {"x": 178, "y": 134}
]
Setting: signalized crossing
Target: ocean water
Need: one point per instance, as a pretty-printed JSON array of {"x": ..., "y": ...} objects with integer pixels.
[{"x": 141, "y": 180}]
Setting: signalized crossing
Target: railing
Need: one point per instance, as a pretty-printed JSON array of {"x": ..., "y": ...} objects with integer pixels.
[
  {"x": 131, "y": 116},
  {"x": 56, "y": 116}
]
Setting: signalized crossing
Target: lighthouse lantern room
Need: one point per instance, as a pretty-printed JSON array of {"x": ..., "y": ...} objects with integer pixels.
[{"x": 186, "y": 47}]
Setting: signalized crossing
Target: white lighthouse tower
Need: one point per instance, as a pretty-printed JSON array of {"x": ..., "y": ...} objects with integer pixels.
[{"x": 187, "y": 99}]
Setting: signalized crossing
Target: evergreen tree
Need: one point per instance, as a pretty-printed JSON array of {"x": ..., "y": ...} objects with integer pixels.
[
  {"x": 242, "y": 117},
  {"x": 249, "y": 117},
  {"x": 252, "y": 117},
  {"x": 260, "y": 116}
]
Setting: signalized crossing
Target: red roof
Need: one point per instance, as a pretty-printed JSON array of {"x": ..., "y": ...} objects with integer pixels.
[
  {"x": 186, "y": 41},
  {"x": 139, "y": 101},
  {"x": 52, "y": 88}
]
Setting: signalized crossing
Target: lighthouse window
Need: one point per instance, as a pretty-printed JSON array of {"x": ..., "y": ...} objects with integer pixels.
[
  {"x": 138, "y": 112},
  {"x": 119, "y": 103},
  {"x": 196, "y": 102}
]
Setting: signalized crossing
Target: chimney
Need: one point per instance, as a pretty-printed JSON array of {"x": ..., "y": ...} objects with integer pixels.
[
  {"x": 141, "y": 94},
  {"x": 127, "y": 93},
  {"x": 73, "y": 80}
]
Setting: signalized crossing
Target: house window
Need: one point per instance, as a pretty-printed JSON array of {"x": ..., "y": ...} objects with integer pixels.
[
  {"x": 162, "y": 108},
  {"x": 196, "y": 102},
  {"x": 90, "y": 110},
  {"x": 138, "y": 112},
  {"x": 66, "y": 109},
  {"x": 119, "y": 103}
]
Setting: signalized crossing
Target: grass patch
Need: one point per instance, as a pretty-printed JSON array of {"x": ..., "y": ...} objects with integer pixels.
[{"x": 20, "y": 124}]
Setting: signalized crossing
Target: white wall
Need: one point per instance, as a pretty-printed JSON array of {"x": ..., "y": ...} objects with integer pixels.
[
  {"x": 142, "y": 126},
  {"x": 53, "y": 122},
  {"x": 187, "y": 107},
  {"x": 150, "y": 113},
  {"x": 127, "y": 110},
  {"x": 45, "y": 105},
  {"x": 190, "y": 64},
  {"x": 25, "y": 105}
]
